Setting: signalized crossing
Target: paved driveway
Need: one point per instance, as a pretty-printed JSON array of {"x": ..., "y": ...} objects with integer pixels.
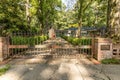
[{"x": 61, "y": 69}]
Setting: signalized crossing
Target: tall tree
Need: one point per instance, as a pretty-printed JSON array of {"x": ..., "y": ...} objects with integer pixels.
[
  {"x": 47, "y": 12},
  {"x": 114, "y": 19},
  {"x": 28, "y": 14},
  {"x": 80, "y": 12},
  {"x": 12, "y": 15},
  {"x": 82, "y": 6}
]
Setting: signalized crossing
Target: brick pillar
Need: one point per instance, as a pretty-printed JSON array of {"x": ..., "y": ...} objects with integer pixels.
[{"x": 3, "y": 48}]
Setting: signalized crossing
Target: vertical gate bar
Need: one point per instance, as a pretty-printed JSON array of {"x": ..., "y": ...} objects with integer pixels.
[
  {"x": 88, "y": 40},
  {"x": 85, "y": 43},
  {"x": 36, "y": 41},
  {"x": 90, "y": 47},
  {"x": 29, "y": 43},
  {"x": 21, "y": 40},
  {"x": 93, "y": 47},
  {"x": 24, "y": 49},
  {"x": 82, "y": 45},
  {"x": 79, "y": 47},
  {"x": 14, "y": 50},
  {"x": 20, "y": 50},
  {"x": 11, "y": 38},
  {"x": 8, "y": 43}
]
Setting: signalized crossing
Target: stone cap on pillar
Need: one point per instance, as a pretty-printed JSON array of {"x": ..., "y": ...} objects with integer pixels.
[{"x": 103, "y": 40}]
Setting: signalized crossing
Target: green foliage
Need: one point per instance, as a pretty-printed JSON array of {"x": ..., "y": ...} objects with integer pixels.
[
  {"x": 78, "y": 41},
  {"x": 47, "y": 13},
  {"x": 44, "y": 14},
  {"x": 4, "y": 69},
  {"x": 19, "y": 40},
  {"x": 111, "y": 61},
  {"x": 13, "y": 15},
  {"x": 92, "y": 13}
]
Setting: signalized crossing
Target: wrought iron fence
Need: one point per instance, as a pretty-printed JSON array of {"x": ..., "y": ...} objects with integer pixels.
[
  {"x": 82, "y": 45},
  {"x": 25, "y": 43}
]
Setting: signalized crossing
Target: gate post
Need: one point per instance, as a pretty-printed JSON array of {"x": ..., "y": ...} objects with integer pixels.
[
  {"x": 103, "y": 48},
  {"x": 93, "y": 47},
  {"x": 3, "y": 48}
]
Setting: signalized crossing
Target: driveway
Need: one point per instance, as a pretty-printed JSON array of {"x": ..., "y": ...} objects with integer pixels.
[{"x": 60, "y": 69}]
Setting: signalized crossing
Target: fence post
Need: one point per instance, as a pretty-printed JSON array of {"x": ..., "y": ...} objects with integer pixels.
[{"x": 3, "y": 48}]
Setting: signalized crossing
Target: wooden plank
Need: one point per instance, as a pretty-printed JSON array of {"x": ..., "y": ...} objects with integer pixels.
[{"x": 18, "y": 46}]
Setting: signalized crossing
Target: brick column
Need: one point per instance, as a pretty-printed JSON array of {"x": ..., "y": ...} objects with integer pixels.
[{"x": 3, "y": 48}]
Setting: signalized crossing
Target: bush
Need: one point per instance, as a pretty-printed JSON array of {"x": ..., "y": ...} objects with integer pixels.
[
  {"x": 19, "y": 40},
  {"x": 75, "y": 41},
  {"x": 86, "y": 41},
  {"x": 78, "y": 41},
  {"x": 110, "y": 61}
]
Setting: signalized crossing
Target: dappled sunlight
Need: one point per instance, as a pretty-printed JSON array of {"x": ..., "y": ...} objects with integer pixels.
[
  {"x": 33, "y": 60},
  {"x": 82, "y": 69},
  {"x": 56, "y": 69},
  {"x": 14, "y": 73},
  {"x": 46, "y": 73},
  {"x": 11, "y": 76}
]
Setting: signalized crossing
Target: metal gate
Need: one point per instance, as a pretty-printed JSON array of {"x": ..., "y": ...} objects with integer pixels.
[
  {"x": 27, "y": 44},
  {"x": 24, "y": 44}
]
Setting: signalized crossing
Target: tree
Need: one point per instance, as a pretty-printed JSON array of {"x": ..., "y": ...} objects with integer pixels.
[
  {"x": 80, "y": 12},
  {"x": 46, "y": 13},
  {"x": 114, "y": 19},
  {"x": 28, "y": 14},
  {"x": 12, "y": 15},
  {"x": 91, "y": 13}
]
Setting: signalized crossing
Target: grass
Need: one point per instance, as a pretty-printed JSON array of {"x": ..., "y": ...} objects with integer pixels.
[
  {"x": 111, "y": 61},
  {"x": 4, "y": 69}
]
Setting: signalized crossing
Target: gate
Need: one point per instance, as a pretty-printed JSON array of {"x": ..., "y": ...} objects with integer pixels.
[
  {"x": 79, "y": 47},
  {"x": 24, "y": 44},
  {"x": 27, "y": 44}
]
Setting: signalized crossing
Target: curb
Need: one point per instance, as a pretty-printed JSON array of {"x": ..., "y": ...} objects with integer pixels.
[{"x": 94, "y": 61}]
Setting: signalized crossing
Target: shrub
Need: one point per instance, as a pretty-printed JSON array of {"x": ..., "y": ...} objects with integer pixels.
[
  {"x": 75, "y": 41},
  {"x": 110, "y": 61},
  {"x": 20, "y": 40},
  {"x": 78, "y": 41}
]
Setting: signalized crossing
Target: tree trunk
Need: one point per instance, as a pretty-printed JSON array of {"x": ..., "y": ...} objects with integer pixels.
[
  {"x": 108, "y": 18},
  {"x": 80, "y": 18},
  {"x": 27, "y": 13},
  {"x": 114, "y": 18}
]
